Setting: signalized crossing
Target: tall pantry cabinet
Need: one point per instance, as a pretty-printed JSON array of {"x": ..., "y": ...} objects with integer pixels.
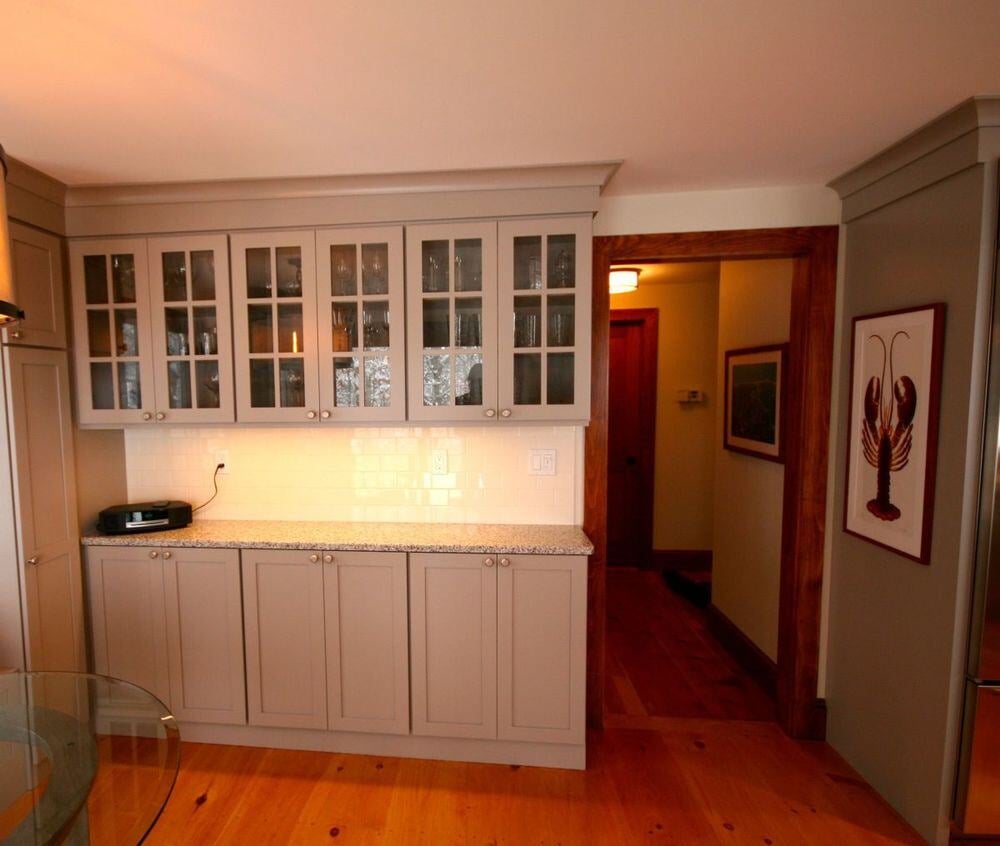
[{"x": 39, "y": 432}]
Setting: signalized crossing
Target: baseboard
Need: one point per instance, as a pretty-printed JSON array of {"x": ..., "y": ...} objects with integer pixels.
[
  {"x": 681, "y": 559},
  {"x": 749, "y": 656}
]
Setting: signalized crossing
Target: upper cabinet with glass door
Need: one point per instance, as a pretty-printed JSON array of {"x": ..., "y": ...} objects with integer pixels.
[
  {"x": 192, "y": 358},
  {"x": 544, "y": 324},
  {"x": 274, "y": 326},
  {"x": 114, "y": 370},
  {"x": 452, "y": 316},
  {"x": 360, "y": 322}
]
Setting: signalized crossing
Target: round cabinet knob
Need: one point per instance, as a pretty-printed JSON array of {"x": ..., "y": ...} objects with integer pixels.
[
  {"x": 505, "y": 413},
  {"x": 491, "y": 412},
  {"x": 328, "y": 558},
  {"x": 154, "y": 554},
  {"x": 325, "y": 414},
  {"x": 504, "y": 562},
  {"x": 167, "y": 554},
  {"x": 160, "y": 415},
  {"x": 489, "y": 562},
  {"x": 314, "y": 558},
  {"x": 32, "y": 561},
  {"x": 147, "y": 416},
  {"x": 311, "y": 415}
]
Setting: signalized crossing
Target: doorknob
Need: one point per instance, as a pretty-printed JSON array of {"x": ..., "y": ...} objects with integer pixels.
[{"x": 32, "y": 561}]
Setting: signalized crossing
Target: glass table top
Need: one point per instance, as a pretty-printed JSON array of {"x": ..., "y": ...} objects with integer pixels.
[{"x": 83, "y": 759}]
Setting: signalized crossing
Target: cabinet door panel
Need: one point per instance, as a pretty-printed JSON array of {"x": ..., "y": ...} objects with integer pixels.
[
  {"x": 542, "y": 630},
  {"x": 451, "y": 298},
  {"x": 366, "y": 642},
  {"x": 191, "y": 336},
  {"x": 362, "y": 353},
  {"x": 111, "y": 337},
  {"x": 38, "y": 395},
  {"x": 544, "y": 319},
  {"x": 36, "y": 262},
  {"x": 285, "y": 640},
  {"x": 128, "y": 616},
  {"x": 453, "y": 645},
  {"x": 205, "y": 635},
  {"x": 274, "y": 326}
]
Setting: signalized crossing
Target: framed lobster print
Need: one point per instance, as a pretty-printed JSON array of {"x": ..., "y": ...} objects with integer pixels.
[{"x": 893, "y": 428}]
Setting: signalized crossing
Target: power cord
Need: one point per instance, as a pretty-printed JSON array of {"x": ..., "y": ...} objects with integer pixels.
[{"x": 215, "y": 485}]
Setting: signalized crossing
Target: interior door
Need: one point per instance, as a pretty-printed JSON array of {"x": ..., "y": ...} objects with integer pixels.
[
  {"x": 204, "y": 614},
  {"x": 38, "y": 394},
  {"x": 285, "y": 639},
  {"x": 36, "y": 262},
  {"x": 631, "y": 436},
  {"x": 367, "y": 659},
  {"x": 191, "y": 335},
  {"x": 453, "y": 644}
]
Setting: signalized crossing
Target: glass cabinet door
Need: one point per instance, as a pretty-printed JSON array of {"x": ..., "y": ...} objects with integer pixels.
[
  {"x": 360, "y": 324},
  {"x": 114, "y": 370},
  {"x": 451, "y": 307},
  {"x": 274, "y": 326},
  {"x": 189, "y": 298},
  {"x": 544, "y": 323}
]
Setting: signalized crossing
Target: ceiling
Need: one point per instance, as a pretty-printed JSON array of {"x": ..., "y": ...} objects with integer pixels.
[{"x": 691, "y": 94}]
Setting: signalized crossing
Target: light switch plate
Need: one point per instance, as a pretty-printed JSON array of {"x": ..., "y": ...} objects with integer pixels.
[{"x": 541, "y": 462}]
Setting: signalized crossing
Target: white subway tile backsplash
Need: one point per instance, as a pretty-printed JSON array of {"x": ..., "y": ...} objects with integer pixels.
[{"x": 364, "y": 474}]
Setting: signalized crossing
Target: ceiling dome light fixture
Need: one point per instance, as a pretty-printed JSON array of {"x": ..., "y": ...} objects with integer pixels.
[
  {"x": 9, "y": 313},
  {"x": 623, "y": 280}
]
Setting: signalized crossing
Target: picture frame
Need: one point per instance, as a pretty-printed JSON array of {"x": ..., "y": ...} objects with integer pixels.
[
  {"x": 755, "y": 401},
  {"x": 893, "y": 428}
]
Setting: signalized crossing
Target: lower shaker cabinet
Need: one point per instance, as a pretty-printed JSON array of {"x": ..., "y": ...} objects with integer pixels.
[
  {"x": 169, "y": 621},
  {"x": 326, "y": 637},
  {"x": 498, "y": 646}
]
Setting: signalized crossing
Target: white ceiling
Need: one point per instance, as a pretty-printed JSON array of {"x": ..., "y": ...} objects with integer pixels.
[{"x": 692, "y": 94}]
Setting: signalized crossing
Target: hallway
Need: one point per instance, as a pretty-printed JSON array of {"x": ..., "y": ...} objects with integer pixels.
[{"x": 664, "y": 662}]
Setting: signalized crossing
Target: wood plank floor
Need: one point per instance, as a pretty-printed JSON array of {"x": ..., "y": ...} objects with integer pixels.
[
  {"x": 655, "y": 775},
  {"x": 664, "y": 662}
]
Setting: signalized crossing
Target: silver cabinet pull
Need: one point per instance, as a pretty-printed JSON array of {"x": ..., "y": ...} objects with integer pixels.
[
  {"x": 489, "y": 562},
  {"x": 504, "y": 562},
  {"x": 31, "y": 562},
  {"x": 310, "y": 415},
  {"x": 147, "y": 416},
  {"x": 314, "y": 558},
  {"x": 160, "y": 415},
  {"x": 325, "y": 414},
  {"x": 167, "y": 554},
  {"x": 491, "y": 412},
  {"x": 505, "y": 413},
  {"x": 154, "y": 554},
  {"x": 328, "y": 558}
]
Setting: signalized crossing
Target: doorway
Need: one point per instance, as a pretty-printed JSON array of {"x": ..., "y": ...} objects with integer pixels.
[
  {"x": 814, "y": 253},
  {"x": 632, "y": 435}
]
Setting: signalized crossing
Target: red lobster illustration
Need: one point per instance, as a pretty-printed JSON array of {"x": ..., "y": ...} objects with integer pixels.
[{"x": 887, "y": 444}]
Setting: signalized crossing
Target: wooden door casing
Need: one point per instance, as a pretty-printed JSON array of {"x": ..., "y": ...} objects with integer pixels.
[
  {"x": 453, "y": 645},
  {"x": 37, "y": 267},
  {"x": 367, "y": 637},
  {"x": 285, "y": 638}
]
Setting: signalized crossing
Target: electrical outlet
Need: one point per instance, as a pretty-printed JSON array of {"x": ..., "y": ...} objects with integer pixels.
[
  {"x": 222, "y": 457},
  {"x": 541, "y": 462},
  {"x": 439, "y": 461}
]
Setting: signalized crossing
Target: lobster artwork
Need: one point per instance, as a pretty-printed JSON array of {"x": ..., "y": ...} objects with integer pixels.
[{"x": 887, "y": 430}]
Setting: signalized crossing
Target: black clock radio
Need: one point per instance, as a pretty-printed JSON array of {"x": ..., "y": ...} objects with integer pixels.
[{"x": 144, "y": 517}]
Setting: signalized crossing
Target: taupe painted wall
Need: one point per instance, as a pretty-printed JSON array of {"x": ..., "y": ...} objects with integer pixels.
[
  {"x": 896, "y": 628},
  {"x": 686, "y": 296},
  {"x": 754, "y": 309}
]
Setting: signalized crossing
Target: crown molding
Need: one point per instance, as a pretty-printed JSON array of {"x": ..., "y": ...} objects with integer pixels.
[
  {"x": 582, "y": 175},
  {"x": 34, "y": 197}
]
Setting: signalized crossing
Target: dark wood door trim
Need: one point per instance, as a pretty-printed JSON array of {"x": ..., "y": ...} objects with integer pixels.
[
  {"x": 649, "y": 321},
  {"x": 814, "y": 250}
]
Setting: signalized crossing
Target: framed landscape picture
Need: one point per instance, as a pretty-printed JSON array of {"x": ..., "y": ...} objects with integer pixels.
[
  {"x": 893, "y": 427},
  {"x": 755, "y": 399}
]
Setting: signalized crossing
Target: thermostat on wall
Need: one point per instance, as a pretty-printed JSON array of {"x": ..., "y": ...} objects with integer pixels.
[{"x": 690, "y": 396}]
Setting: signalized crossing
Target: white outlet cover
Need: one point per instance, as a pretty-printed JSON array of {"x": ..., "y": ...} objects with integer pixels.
[
  {"x": 541, "y": 462},
  {"x": 439, "y": 461},
  {"x": 222, "y": 457}
]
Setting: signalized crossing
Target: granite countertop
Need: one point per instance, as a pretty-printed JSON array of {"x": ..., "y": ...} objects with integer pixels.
[{"x": 371, "y": 537}]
